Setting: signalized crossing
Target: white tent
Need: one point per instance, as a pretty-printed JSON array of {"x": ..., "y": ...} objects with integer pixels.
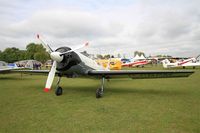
[
  {"x": 137, "y": 57},
  {"x": 142, "y": 57}
]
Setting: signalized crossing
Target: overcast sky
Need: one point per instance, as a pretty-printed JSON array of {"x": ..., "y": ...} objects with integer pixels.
[{"x": 111, "y": 26}]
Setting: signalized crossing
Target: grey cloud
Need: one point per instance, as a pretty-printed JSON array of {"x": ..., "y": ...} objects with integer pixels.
[
  {"x": 151, "y": 26},
  {"x": 62, "y": 24}
]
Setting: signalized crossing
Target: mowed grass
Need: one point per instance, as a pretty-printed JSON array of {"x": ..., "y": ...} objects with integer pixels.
[{"x": 142, "y": 106}]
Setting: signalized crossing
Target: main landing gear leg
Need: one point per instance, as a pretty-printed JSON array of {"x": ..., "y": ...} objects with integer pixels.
[
  {"x": 99, "y": 91},
  {"x": 59, "y": 89}
]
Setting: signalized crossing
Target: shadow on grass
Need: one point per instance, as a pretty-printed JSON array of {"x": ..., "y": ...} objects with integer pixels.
[
  {"x": 147, "y": 91},
  {"x": 126, "y": 91},
  {"x": 14, "y": 78}
]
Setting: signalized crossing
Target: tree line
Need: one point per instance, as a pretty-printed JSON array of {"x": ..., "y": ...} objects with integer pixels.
[
  {"x": 33, "y": 52},
  {"x": 37, "y": 52}
]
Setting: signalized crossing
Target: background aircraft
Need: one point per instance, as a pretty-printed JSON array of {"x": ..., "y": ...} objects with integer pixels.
[
  {"x": 110, "y": 64},
  {"x": 70, "y": 63},
  {"x": 191, "y": 62},
  {"x": 136, "y": 63}
]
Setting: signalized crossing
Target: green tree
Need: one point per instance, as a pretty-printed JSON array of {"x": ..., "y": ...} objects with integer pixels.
[
  {"x": 139, "y": 53},
  {"x": 33, "y": 48},
  {"x": 10, "y": 55},
  {"x": 41, "y": 56},
  {"x": 36, "y": 52},
  {"x": 99, "y": 56},
  {"x": 107, "y": 56},
  {"x": 1, "y": 55},
  {"x": 33, "y": 51},
  {"x": 22, "y": 55}
]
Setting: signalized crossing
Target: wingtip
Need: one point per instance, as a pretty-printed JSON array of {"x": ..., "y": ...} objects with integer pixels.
[{"x": 46, "y": 89}]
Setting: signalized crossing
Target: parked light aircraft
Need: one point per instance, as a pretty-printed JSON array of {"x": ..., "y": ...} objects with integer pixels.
[
  {"x": 136, "y": 63},
  {"x": 112, "y": 63},
  {"x": 191, "y": 62},
  {"x": 68, "y": 62}
]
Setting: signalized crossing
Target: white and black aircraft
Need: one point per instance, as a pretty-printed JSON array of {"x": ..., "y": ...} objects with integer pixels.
[{"x": 70, "y": 63}]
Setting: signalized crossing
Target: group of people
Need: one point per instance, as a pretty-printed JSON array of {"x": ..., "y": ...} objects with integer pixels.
[
  {"x": 37, "y": 66},
  {"x": 32, "y": 65}
]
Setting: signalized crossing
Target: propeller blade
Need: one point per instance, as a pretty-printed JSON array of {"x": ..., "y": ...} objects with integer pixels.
[
  {"x": 50, "y": 77},
  {"x": 79, "y": 47},
  {"x": 45, "y": 45}
]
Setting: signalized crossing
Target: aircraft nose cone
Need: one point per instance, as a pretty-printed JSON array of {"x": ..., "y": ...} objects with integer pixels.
[{"x": 56, "y": 56}]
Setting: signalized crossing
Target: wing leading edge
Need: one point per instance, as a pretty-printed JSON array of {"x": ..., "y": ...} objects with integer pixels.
[
  {"x": 10, "y": 70},
  {"x": 140, "y": 74},
  {"x": 5, "y": 70}
]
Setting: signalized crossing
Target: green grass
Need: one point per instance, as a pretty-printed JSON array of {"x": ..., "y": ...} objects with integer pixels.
[{"x": 153, "y": 105}]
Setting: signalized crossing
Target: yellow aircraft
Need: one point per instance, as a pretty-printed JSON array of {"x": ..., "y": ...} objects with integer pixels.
[{"x": 114, "y": 63}]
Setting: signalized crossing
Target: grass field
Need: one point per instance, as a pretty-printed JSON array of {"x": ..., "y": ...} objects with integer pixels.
[{"x": 142, "y": 106}]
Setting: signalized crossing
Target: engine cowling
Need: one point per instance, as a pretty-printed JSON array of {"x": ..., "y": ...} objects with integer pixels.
[{"x": 69, "y": 59}]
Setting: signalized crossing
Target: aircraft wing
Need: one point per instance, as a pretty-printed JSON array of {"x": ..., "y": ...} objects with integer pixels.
[
  {"x": 8, "y": 69},
  {"x": 140, "y": 74},
  {"x": 5, "y": 70},
  {"x": 31, "y": 71},
  {"x": 192, "y": 64},
  {"x": 11, "y": 70}
]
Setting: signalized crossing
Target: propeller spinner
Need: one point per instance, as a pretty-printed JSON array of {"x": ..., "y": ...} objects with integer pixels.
[{"x": 56, "y": 56}]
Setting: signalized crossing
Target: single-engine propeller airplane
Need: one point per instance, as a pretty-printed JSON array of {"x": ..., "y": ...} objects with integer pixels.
[
  {"x": 70, "y": 63},
  {"x": 190, "y": 62},
  {"x": 136, "y": 63}
]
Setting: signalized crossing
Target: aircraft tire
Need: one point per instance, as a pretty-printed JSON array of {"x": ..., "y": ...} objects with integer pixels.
[{"x": 59, "y": 91}]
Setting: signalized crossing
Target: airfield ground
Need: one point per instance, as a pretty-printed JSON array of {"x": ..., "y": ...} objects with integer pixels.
[{"x": 153, "y": 105}]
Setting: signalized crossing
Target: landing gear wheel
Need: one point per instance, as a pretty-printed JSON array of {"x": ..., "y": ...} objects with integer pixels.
[
  {"x": 59, "y": 91},
  {"x": 99, "y": 93}
]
